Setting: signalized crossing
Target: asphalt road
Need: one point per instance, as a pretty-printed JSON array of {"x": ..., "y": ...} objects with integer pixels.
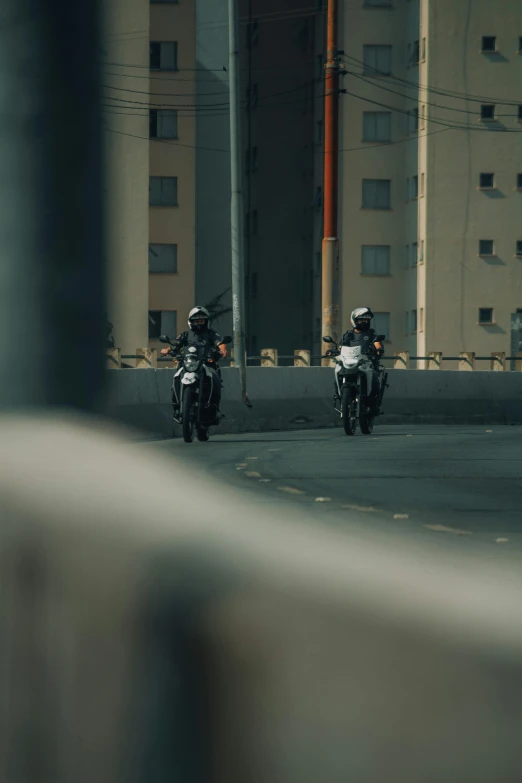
[{"x": 452, "y": 487}]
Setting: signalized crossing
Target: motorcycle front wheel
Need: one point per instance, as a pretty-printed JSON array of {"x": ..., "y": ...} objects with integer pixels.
[
  {"x": 187, "y": 415},
  {"x": 347, "y": 412},
  {"x": 366, "y": 424}
]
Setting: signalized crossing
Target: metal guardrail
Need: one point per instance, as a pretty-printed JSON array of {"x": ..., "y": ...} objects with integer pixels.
[{"x": 149, "y": 358}]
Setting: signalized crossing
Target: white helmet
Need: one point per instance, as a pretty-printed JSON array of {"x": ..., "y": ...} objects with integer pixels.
[
  {"x": 361, "y": 313},
  {"x": 198, "y": 313}
]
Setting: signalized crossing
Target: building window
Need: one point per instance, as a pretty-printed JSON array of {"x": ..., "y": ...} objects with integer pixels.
[
  {"x": 252, "y": 95},
  {"x": 485, "y": 315},
  {"x": 519, "y": 115},
  {"x": 423, "y": 49},
  {"x": 413, "y": 321},
  {"x": 487, "y": 181},
  {"x": 489, "y": 43},
  {"x": 375, "y": 260},
  {"x": 377, "y": 3},
  {"x": 162, "y": 322},
  {"x": 251, "y": 159},
  {"x": 253, "y": 285},
  {"x": 163, "y": 124},
  {"x": 520, "y": 45},
  {"x": 381, "y": 324},
  {"x": 421, "y": 254},
  {"x": 163, "y": 56},
  {"x": 376, "y": 194},
  {"x": 414, "y": 253},
  {"x": 423, "y": 184},
  {"x": 415, "y": 187},
  {"x": 163, "y": 191},
  {"x": 413, "y": 121},
  {"x": 252, "y": 34},
  {"x": 519, "y": 247},
  {"x": 163, "y": 259},
  {"x": 486, "y": 247},
  {"x": 422, "y": 119},
  {"x": 413, "y": 54},
  {"x": 519, "y": 181},
  {"x": 377, "y": 126},
  {"x": 377, "y": 60},
  {"x": 421, "y": 319},
  {"x": 487, "y": 112}
]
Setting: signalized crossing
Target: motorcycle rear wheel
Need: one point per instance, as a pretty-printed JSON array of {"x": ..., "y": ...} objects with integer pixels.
[
  {"x": 349, "y": 419},
  {"x": 187, "y": 416}
]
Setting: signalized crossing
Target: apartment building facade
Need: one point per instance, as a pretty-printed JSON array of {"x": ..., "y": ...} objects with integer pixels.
[
  {"x": 430, "y": 171},
  {"x": 172, "y": 166}
]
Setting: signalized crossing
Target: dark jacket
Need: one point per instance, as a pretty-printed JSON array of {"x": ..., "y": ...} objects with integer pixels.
[
  {"x": 207, "y": 337},
  {"x": 364, "y": 339}
]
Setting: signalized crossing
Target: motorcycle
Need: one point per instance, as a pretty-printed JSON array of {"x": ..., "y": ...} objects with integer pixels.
[
  {"x": 353, "y": 383},
  {"x": 198, "y": 376}
]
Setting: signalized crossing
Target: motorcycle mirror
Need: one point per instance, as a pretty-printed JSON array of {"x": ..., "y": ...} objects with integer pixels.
[
  {"x": 225, "y": 340},
  {"x": 327, "y": 340},
  {"x": 164, "y": 339}
]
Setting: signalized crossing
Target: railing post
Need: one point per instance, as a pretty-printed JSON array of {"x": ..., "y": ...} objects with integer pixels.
[
  {"x": 467, "y": 361},
  {"x": 301, "y": 358},
  {"x": 401, "y": 360},
  {"x": 498, "y": 361},
  {"x": 113, "y": 358},
  {"x": 147, "y": 358},
  {"x": 269, "y": 357},
  {"x": 434, "y": 360}
]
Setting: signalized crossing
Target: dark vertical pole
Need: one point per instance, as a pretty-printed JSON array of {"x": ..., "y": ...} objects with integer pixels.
[{"x": 51, "y": 238}]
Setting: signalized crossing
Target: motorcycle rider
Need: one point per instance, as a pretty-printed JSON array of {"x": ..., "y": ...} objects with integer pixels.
[
  {"x": 198, "y": 334},
  {"x": 364, "y": 336}
]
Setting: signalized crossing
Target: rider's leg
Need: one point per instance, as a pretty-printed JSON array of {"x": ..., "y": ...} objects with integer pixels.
[{"x": 176, "y": 392}]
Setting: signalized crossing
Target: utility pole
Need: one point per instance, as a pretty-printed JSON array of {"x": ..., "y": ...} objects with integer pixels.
[
  {"x": 236, "y": 214},
  {"x": 330, "y": 249}
]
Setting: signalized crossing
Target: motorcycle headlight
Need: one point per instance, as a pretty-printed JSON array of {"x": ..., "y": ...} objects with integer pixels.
[{"x": 191, "y": 364}]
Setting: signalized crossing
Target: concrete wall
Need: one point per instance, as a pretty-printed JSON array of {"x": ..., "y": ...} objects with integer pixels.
[{"x": 298, "y": 398}]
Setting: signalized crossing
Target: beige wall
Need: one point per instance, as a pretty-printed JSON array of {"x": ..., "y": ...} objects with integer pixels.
[
  {"x": 456, "y": 281},
  {"x": 175, "y": 22},
  {"x": 450, "y": 284},
  {"x": 365, "y": 160},
  {"x": 126, "y": 46}
]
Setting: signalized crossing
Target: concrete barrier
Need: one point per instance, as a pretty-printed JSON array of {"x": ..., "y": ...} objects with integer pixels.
[{"x": 296, "y": 398}]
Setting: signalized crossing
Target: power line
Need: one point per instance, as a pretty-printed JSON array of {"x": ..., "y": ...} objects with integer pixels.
[
  {"x": 163, "y": 141},
  {"x": 457, "y": 126},
  {"x": 133, "y": 104},
  {"x": 441, "y": 91},
  {"x": 415, "y": 99},
  {"x": 174, "y": 143}
]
